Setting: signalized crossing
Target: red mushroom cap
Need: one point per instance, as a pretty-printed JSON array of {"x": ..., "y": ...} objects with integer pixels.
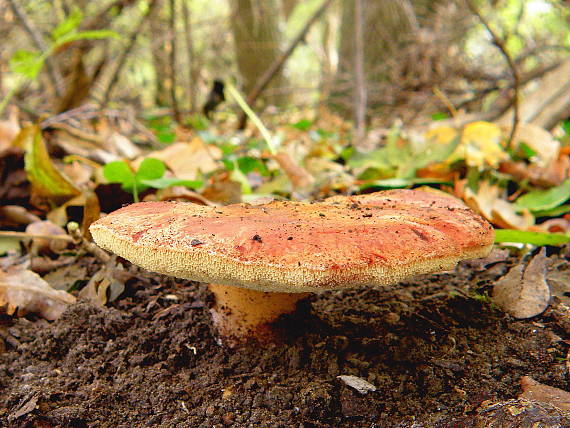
[{"x": 342, "y": 242}]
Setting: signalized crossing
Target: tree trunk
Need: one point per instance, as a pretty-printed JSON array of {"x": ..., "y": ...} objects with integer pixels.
[
  {"x": 159, "y": 43},
  {"x": 256, "y": 26},
  {"x": 388, "y": 27}
]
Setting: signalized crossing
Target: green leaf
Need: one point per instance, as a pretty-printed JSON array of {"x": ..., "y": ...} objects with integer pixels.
[
  {"x": 237, "y": 175},
  {"x": 87, "y": 35},
  {"x": 374, "y": 159},
  {"x": 68, "y": 25},
  {"x": 164, "y": 182},
  {"x": 541, "y": 200},
  {"x": 166, "y": 136},
  {"x": 150, "y": 169},
  {"x": 554, "y": 212},
  {"x": 248, "y": 164},
  {"x": 303, "y": 125},
  {"x": 527, "y": 151},
  {"x": 566, "y": 126},
  {"x": 46, "y": 179},
  {"x": 119, "y": 172},
  {"x": 439, "y": 116},
  {"x": 27, "y": 63},
  {"x": 534, "y": 238},
  {"x": 397, "y": 183},
  {"x": 432, "y": 153}
]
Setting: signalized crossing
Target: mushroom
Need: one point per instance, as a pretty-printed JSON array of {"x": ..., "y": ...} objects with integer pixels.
[{"x": 261, "y": 259}]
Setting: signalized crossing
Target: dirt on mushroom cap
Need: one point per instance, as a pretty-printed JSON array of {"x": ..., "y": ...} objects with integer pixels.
[{"x": 341, "y": 242}]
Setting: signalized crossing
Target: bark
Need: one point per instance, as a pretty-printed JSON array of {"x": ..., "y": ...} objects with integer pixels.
[
  {"x": 388, "y": 27},
  {"x": 256, "y": 26},
  {"x": 159, "y": 47},
  {"x": 193, "y": 72}
]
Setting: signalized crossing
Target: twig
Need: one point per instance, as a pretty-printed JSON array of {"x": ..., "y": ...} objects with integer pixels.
[
  {"x": 40, "y": 44},
  {"x": 80, "y": 134},
  {"x": 124, "y": 55},
  {"x": 445, "y": 100},
  {"x": 264, "y": 80},
  {"x": 90, "y": 247},
  {"x": 25, "y": 235},
  {"x": 360, "y": 98},
  {"x": 173, "y": 48},
  {"x": 500, "y": 43}
]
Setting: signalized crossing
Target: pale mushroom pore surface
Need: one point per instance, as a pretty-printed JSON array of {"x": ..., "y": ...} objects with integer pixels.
[{"x": 341, "y": 242}]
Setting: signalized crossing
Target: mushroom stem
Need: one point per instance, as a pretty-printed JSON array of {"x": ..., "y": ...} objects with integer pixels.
[{"x": 239, "y": 313}]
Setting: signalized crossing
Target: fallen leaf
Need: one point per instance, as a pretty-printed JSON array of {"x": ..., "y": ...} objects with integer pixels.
[
  {"x": 65, "y": 277},
  {"x": 46, "y": 245},
  {"x": 559, "y": 281},
  {"x": 299, "y": 176},
  {"x": 79, "y": 173},
  {"x": 47, "y": 181},
  {"x": 535, "y": 391},
  {"x": 497, "y": 255},
  {"x": 15, "y": 215},
  {"x": 481, "y": 145},
  {"x": 541, "y": 200},
  {"x": 9, "y": 129},
  {"x": 488, "y": 202},
  {"x": 530, "y": 237},
  {"x": 555, "y": 225},
  {"x": 223, "y": 189},
  {"x": 504, "y": 215},
  {"x": 26, "y": 292},
  {"x": 538, "y": 139},
  {"x": 104, "y": 286},
  {"x": 523, "y": 292},
  {"x": 188, "y": 160},
  {"x": 178, "y": 193},
  {"x": 125, "y": 147},
  {"x": 361, "y": 385}
]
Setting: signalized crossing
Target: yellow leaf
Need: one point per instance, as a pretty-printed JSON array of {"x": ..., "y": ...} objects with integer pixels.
[
  {"x": 481, "y": 145},
  {"x": 46, "y": 180}
]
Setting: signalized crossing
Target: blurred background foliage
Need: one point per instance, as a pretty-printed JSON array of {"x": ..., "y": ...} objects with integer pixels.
[{"x": 226, "y": 101}]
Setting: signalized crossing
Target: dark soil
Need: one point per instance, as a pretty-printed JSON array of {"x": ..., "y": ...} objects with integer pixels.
[{"x": 439, "y": 354}]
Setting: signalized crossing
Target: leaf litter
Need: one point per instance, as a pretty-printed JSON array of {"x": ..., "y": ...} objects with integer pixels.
[{"x": 393, "y": 350}]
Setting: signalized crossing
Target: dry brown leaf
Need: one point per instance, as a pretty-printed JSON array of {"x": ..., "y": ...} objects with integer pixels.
[
  {"x": 488, "y": 202},
  {"x": 46, "y": 245},
  {"x": 14, "y": 215},
  {"x": 9, "y": 129},
  {"x": 299, "y": 176},
  {"x": 26, "y": 292},
  {"x": 535, "y": 391},
  {"x": 125, "y": 147},
  {"x": 523, "y": 292},
  {"x": 187, "y": 160},
  {"x": 103, "y": 287},
  {"x": 503, "y": 214},
  {"x": 538, "y": 139},
  {"x": 554, "y": 225},
  {"x": 559, "y": 281},
  {"x": 79, "y": 173},
  {"x": 178, "y": 193},
  {"x": 223, "y": 189},
  {"x": 64, "y": 277}
]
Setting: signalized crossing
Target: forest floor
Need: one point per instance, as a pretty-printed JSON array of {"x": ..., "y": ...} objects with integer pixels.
[{"x": 436, "y": 349}]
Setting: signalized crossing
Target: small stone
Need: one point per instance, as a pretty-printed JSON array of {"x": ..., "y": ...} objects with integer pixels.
[{"x": 361, "y": 385}]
